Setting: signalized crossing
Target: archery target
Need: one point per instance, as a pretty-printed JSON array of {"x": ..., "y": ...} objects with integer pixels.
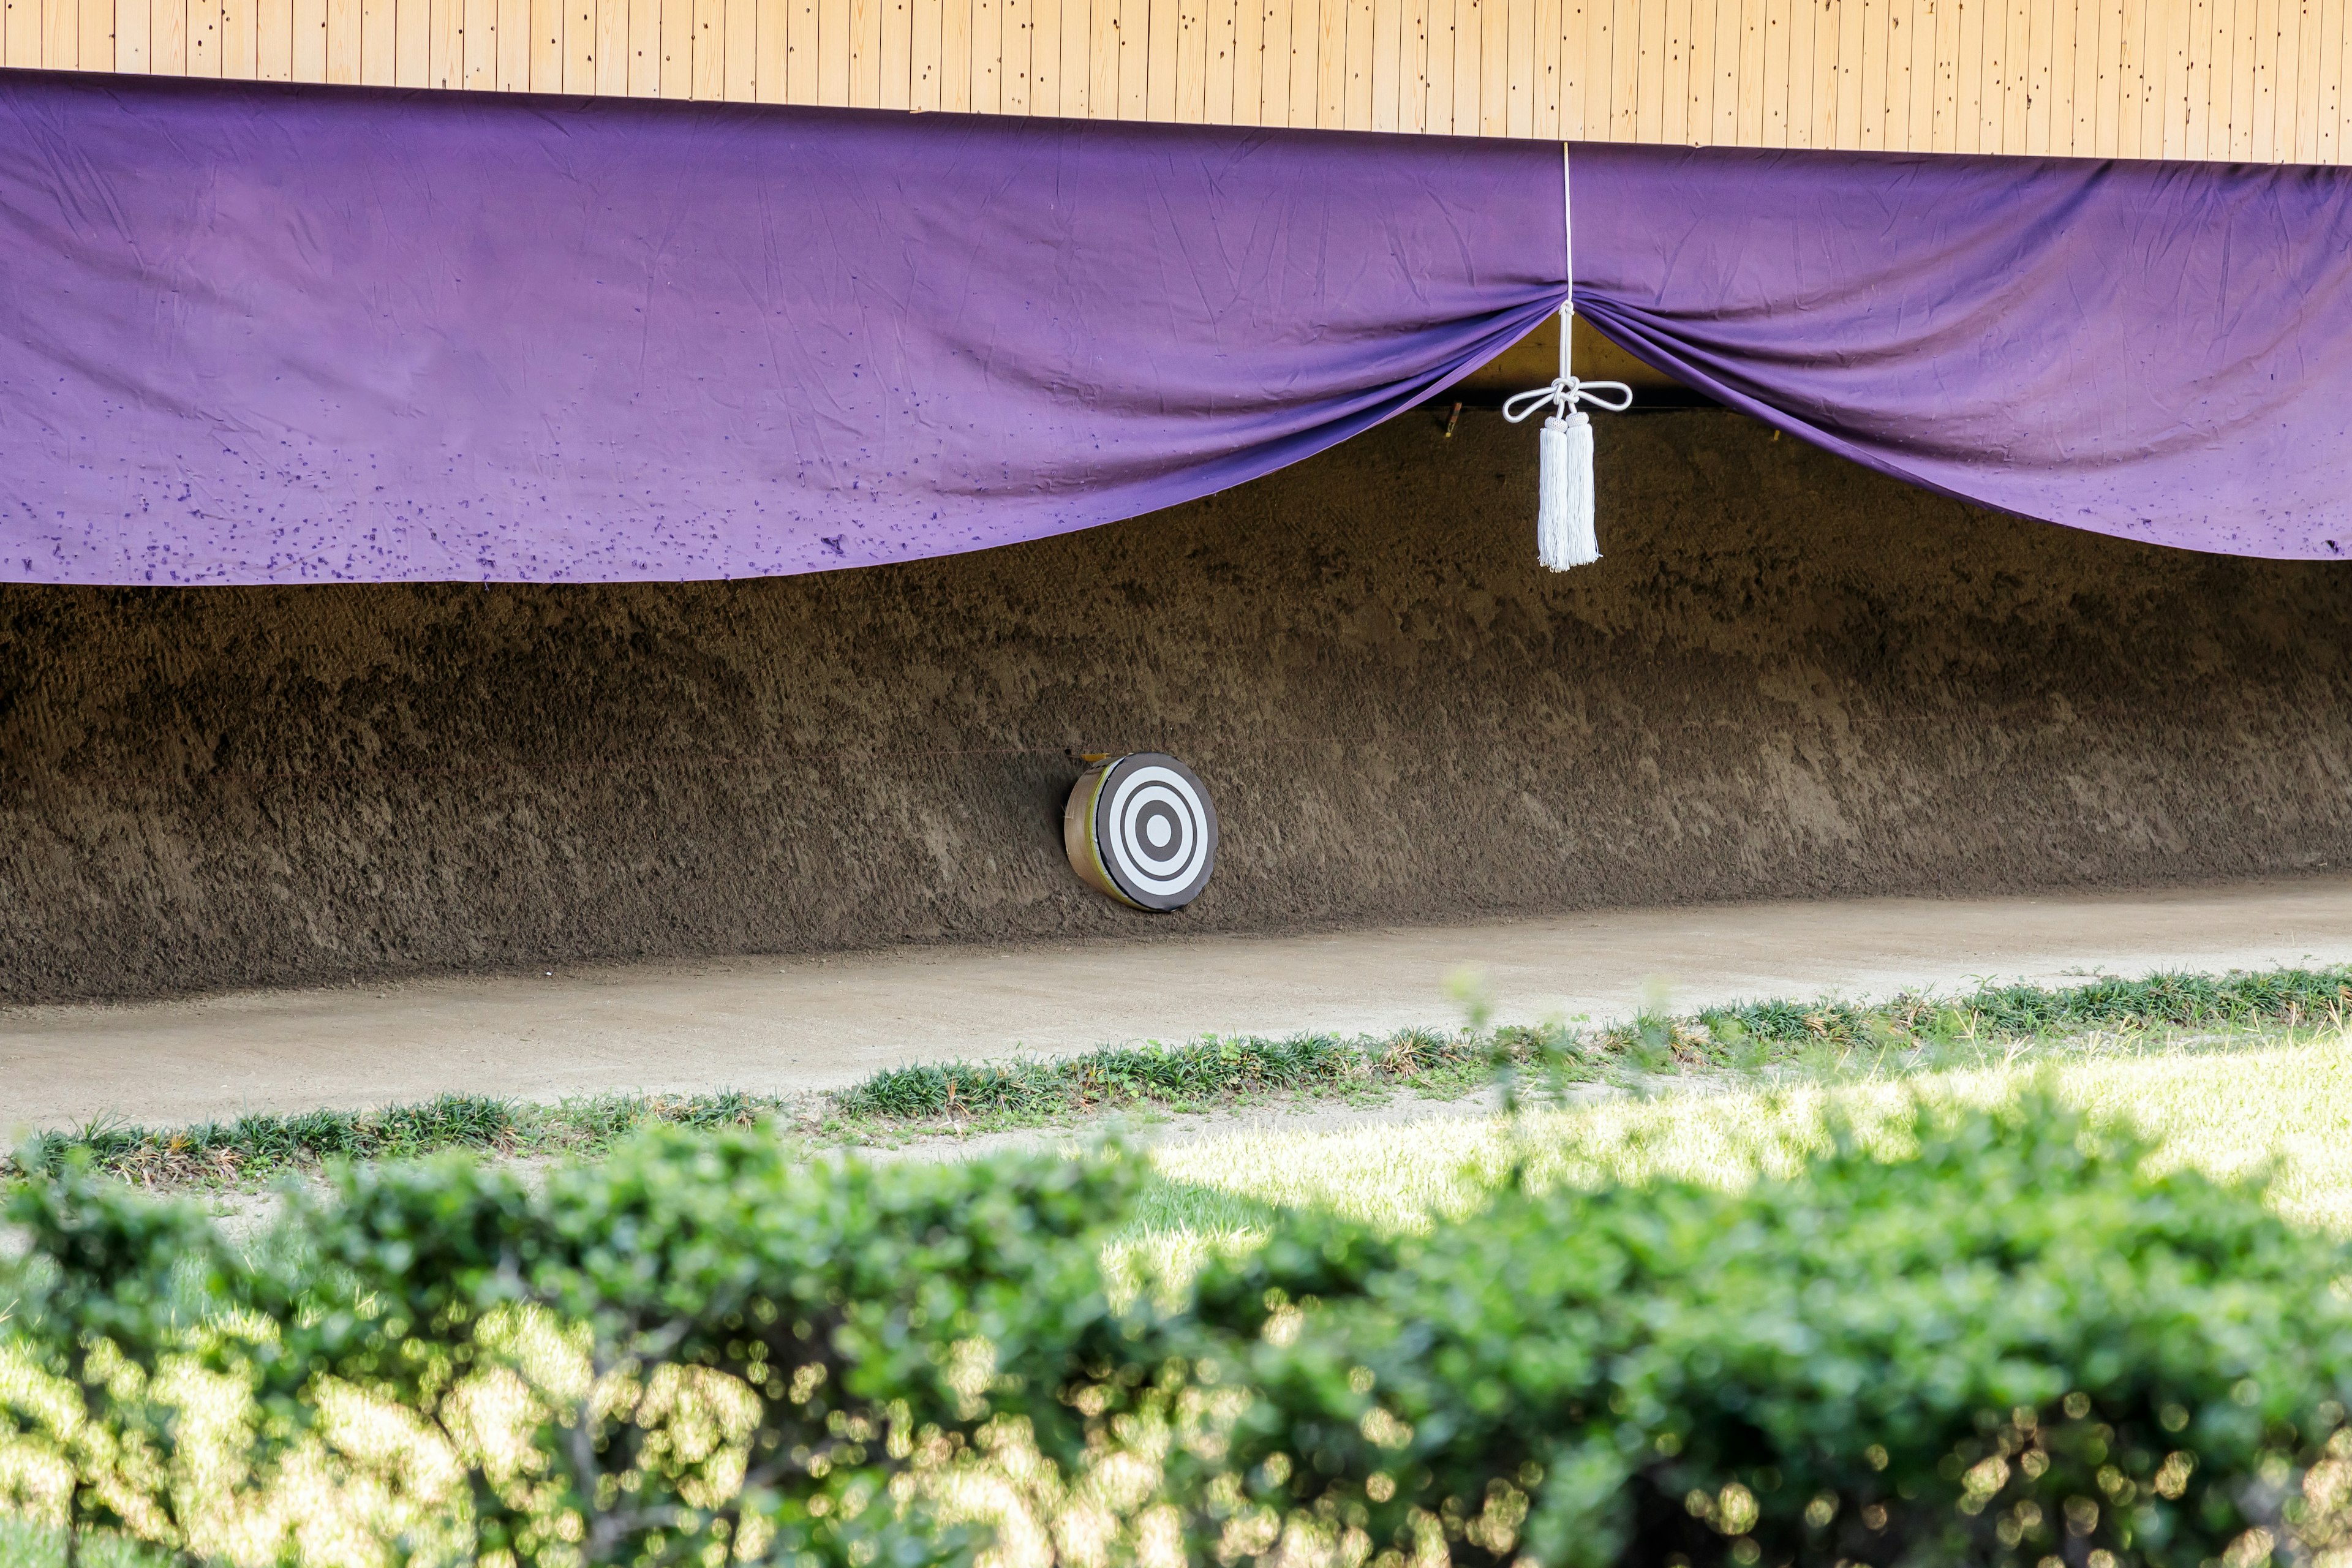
[{"x": 1140, "y": 828}]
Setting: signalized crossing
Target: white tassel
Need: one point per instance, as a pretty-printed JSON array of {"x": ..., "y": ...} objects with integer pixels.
[{"x": 1564, "y": 530}]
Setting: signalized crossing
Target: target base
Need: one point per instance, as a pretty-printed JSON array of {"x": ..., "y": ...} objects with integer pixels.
[{"x": 1140, "y": 828}]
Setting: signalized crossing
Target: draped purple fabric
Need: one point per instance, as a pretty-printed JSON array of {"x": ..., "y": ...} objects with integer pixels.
[
  {"x": 2159, "y": 350},
  {"x": 268, "y": 334}
]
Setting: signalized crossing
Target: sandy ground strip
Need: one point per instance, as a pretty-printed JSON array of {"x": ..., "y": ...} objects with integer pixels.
[{"x": 801, "y": 1023}]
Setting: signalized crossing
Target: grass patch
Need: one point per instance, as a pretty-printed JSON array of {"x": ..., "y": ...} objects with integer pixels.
[
  {"x": 1825, "y": 1038},
  {"x": 2284, "y": 1108},
  {"x": 254, "y": 1148},
  {"x": 1196, "y": 1076}
]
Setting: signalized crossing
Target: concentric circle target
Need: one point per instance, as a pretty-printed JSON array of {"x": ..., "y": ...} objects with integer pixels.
[{"x": 1140, "y": 828}]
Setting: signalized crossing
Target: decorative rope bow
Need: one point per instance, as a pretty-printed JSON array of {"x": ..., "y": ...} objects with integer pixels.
[
  {"x": 1564, "y": 532},
  {"x": 1566, "y": 392}
]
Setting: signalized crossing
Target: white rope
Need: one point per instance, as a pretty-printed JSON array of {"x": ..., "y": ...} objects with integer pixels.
[
  {"x": 1566, "y": 392},
  {"x": 1564, "y": 511}
]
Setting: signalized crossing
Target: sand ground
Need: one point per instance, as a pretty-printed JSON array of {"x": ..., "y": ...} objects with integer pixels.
[{"x": 801, "y": 1024}]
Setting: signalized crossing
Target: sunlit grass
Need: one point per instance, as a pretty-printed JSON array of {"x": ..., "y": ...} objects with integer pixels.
[{"x": 2227, "y": 1113}]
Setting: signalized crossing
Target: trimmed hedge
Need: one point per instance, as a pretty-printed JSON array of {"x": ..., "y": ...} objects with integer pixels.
[{"x": 2016, "y": 1339}]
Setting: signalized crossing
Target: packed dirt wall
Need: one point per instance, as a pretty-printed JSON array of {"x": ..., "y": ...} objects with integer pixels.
[{"x": 1788, "y": 677}]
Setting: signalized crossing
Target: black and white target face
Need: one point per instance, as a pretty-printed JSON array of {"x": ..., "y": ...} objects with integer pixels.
[{"x": 1155, "y": 830}]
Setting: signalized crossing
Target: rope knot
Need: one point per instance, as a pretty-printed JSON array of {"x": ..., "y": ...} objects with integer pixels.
[{"x": 1565, "y": 393}]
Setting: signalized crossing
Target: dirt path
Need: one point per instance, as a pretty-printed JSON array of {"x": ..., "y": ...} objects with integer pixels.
[{"x": 799, "y": 1023}]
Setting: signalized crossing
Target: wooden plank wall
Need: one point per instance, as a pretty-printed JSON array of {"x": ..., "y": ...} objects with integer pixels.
[{"x": 2231, "y": 80}]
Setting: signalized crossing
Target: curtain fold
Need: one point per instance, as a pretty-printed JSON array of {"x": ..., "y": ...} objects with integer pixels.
[
  {"x": 2158, "y": 350},
  {"x": 255, "y": 333}
]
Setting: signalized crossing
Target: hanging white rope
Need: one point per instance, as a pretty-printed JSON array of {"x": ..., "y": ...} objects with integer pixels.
[{"x": 1564, "y": 528}]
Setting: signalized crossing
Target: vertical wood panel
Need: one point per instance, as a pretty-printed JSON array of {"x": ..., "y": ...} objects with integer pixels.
[
  {"x": 2261, "y": 136},
  {"x": 2209, "y": 101},
  {"x": 866, "y": 53},
  {"x": 1073, "y": 62},
  {"x": 955, "y": 55},
  {"x": 2200, "y": 110},
  {"x": 2170, "y": 23},
  {"x": 2136, "y": 83},
  {"x": 1134, "y": 35},
  {"x": 2332, "y": 33},
  {"x": 1048, "y": 76},
  {"x": 894, "y": 60},
  {"x": 1362, "y": 52},
  {"x": 339, "y": 37},
  {"x": 1551, "y": 23},
  {"x": 512, "y": 69},
  {"x": 2286, "y": 71},
  {"x": 167, "y": 36},
  {"x": 2050, "y": 64},
  {"x": 1102, "y": 58},
  {"x": 1190, "y": 87},
  {"x": 2306, "y": 79},
  {"x": 542, "y": 46},
  {"x": 1874, "y": 97},
  {"x": 611, "y": 43},
  {"x": 1971, "y": 70},
  {"x": 60, "y": 35},
  {"x": 94, "y": 45},
  {"x": 1386, "y": 98},
  {"x": 1735, "y": 45},
  {"x": 20, "y": 32},
  {"x": 1246, "y": 74},
  {"x": 132, "y": 25},
  {"x": 444, "y": 43},
  {"x": 2250, "y": 60},
  {"x": 1625, "y": 47},
  {"x": 1919, "y": 25},
  {"x": 644, "y": 65},
  {"x": 1440, "y": 104},
  {"x": 378, "y": 39},
  {"x": 923, "y": 45},
  {"x": 1672, "y": 119},
  {"x": 1330, "y": 73},
  {"x": 2327, "y": 131},
  {"x": 831, "y": 46},
  {"x": 1756, "y": 35},
  {"x": 2017, "y": 80},
  {"x": 2098, "y": 123},
  {"x": 1017, "y": 27}
]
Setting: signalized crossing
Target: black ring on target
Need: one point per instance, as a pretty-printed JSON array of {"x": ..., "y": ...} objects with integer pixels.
[{"x": 1140, "y": 828}]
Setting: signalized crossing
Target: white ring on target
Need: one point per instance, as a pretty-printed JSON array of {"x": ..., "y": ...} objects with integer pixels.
[{"x": 1169, "y": 786}]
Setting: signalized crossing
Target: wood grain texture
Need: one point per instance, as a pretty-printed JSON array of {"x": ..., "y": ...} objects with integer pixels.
[{"x": 2255, "y": 80}]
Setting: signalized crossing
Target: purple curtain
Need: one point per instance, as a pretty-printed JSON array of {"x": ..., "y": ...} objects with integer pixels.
[
  {"x": 270, "y": 334},
  {"x": 254, "y": 334},
  {"x": 2159, "y": 350}
]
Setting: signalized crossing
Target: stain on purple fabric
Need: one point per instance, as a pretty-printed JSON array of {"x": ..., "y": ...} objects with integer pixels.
[
  {"x": 2158, "y": 350},
  {"x": 257, "y": 333}
]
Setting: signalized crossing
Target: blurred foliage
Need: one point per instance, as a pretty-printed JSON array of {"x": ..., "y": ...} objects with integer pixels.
[{"x": 1990, "y": 1338}]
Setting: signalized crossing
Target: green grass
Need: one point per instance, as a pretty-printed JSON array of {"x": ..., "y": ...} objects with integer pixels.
[
  {"x": 1191, "y": 1077},
  {"x": 1824, "y": 1038},
  {"x": 253, "y": 1148},
  {"x": 2286, "y": 1105}
]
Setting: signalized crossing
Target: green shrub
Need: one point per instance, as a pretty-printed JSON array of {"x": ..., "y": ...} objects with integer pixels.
[
  {"x": 709, "y": 1340},
  {"x": 2013, "y": 1343},
  {"x": 2013, "y": 1337}
]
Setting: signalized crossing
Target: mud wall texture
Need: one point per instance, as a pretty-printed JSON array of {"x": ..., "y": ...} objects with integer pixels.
[{"x": 1790, "y": 677}]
